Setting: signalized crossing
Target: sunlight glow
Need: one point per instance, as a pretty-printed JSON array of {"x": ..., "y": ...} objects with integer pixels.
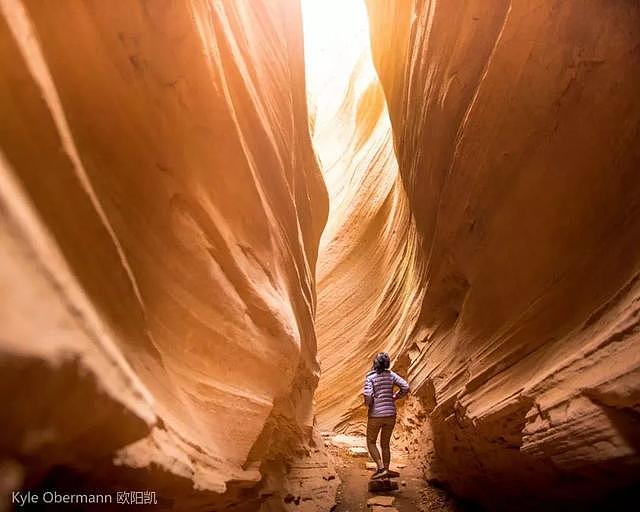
[{"x": 336, "y": 37}]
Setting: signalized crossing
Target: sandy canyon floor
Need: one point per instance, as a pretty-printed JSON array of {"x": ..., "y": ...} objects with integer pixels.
[{"x": 414, "y": 493}]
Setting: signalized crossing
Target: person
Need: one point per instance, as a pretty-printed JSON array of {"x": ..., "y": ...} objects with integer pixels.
[{"x": 380, "y": 398}]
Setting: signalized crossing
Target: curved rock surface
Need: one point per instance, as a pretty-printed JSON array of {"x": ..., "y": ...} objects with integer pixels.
[
  {"x": 517, "y": 131},
  {"x": 161, "y": 209}
]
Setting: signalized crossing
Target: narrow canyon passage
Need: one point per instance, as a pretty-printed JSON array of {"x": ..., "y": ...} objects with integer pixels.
[
  {"x": 213, "y": 213},
  {"x": 369, "y": 270}
]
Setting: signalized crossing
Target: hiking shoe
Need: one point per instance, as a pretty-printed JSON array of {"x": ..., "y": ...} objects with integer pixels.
[
  {"x": 377, "y": 474},
  {"x": 392, "y": 474}
]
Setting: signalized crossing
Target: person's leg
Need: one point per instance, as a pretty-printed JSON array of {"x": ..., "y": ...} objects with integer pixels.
[
  {"x": 373, "y": 427},
  {"x": 385, "y": 440}
]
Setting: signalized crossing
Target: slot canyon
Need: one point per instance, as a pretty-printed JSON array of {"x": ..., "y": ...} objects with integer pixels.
[{"x": 215, "y": 213}]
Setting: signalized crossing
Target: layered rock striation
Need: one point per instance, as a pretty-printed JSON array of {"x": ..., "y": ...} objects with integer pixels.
[
  {"x": 161, "y": 209},
  {"x": 517, "y": 131}
]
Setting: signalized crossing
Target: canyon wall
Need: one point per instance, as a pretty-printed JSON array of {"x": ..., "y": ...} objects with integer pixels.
[
  {"x": 517, "y": 130},
  {"x": 369, "y": 266},
  {"x": 161, "y": 210}
]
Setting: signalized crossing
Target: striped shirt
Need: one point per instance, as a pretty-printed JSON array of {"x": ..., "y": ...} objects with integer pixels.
[{"x": 379, "y": 395}]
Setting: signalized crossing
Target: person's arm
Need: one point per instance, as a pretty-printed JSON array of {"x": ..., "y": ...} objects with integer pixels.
[
  {"x": 368, "y": 392},
  {"x": 402, "y": 384}
]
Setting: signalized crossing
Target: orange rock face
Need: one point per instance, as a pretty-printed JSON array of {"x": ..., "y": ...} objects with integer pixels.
[
  {"x": 516, "y": 126},
  {"x": 161, "y": 209}
]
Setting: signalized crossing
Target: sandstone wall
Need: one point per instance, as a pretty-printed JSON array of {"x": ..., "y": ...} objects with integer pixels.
[
  {"x": 161, "y": 208},
  {"x": 517, "y": 130}
]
